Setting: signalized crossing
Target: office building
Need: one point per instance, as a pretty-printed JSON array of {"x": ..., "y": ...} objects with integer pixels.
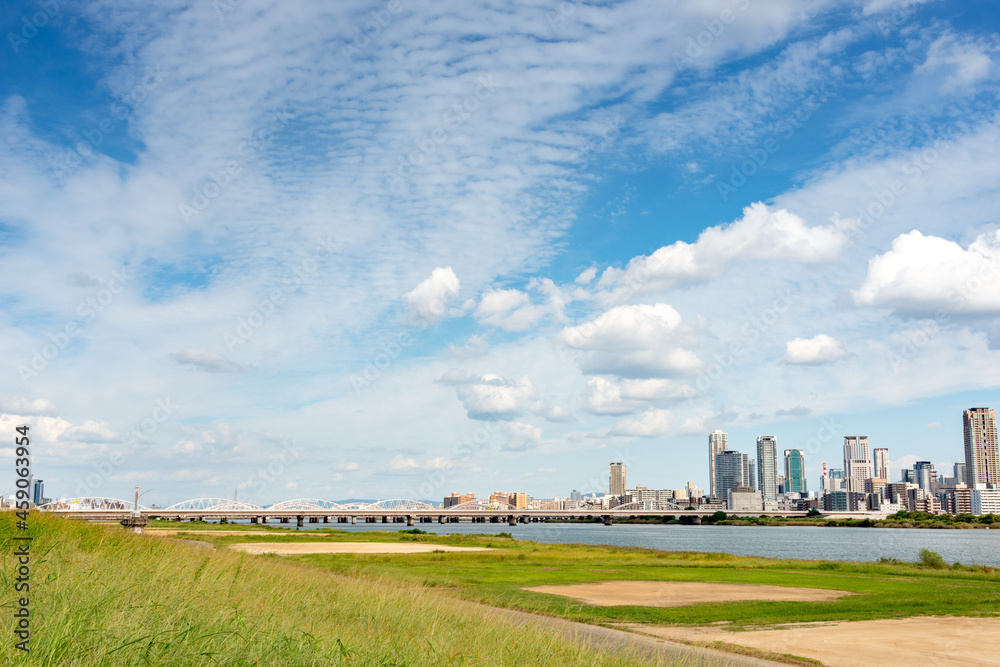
[
  {"x": 857, "y": 462},
  {"x": 617, "y": 481},
  {"x": 923, "y": 473},
  {"x": 985, "y": 501},
  {"x": 751, "y": 475},
  {"x": 744, "y": 499},
  {"x": 730, "y": 466},
  {"x": 456, "y": 499},
  {"x": 981, "y": 457},
  {"x": 37, "y": 491},
  {"x": 767, "y": 466},
  {"x": 576, "y": 496},
  {"x": 960, "y": 475},
  {"x": 718, "y": 442},
  {"x": 880, "y": 461},
  {"x": 795, "y": 471}
]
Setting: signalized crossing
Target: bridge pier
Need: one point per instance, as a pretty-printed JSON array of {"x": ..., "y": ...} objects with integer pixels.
[
  {"x": 440, "y": 519},
  {"x": 253, "y": 519},
  {"x": 607, "y": 519},
  {"x": 326, "y": 519},
  {"x": 314, "y": 519},
  {"x": 409, "y": 520},
  {"x": 385, "y": 519},
  {"x": 512, "y": 520},
  {"x": 354, "y": 520},
  {"x": 299, "y": 521},
  {"x": 192, "y": 519},
  {"x": 696, "y": 520}
]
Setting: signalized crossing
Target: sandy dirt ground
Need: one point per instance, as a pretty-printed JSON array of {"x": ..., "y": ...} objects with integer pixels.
[
  {"x": 345, "y": 548},
  {"x": 680, "y": 593},
  {"x": 925, "y": 640}
]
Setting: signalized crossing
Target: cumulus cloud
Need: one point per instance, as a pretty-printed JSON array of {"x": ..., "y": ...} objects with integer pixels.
[
  {"x": 520, "y": 436},
  {"x": 639, "y": 341},
  {"x": 605, "y": 397},
  {"x": 18, "y": 405},
  {"x": 820, "y": 349},
  {"x": 650, "y": 424},
  {"x": 491, "y": 397},
  {"x": 400, "y": 462},
  {"x": 762, "y": 233},
  {"x": 923, "y": 275},
  {"x": 429, "y": 300},
  {"x": 206, "y": 361},
  {"x": 958, "y": 63},
  {"x": 515, "y": 310}
]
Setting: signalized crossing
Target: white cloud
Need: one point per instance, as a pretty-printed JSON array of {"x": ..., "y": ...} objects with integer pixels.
[
  {"x": 207, "y": 361},
  {"x": 761, "y": 234},
  {"x": 650, "y": 424},
  {"x": 820, "y": 349},
  {"x": 605, "y": 397},
  {"x": 400, "y": 462},
  {"x": 587, "y": 276},
  {"x": 491, "y": 397},
  {"x": 922, "y": 275},
  {"x": 640, "y": 341},
  {"x": 520, "y": 436},
  {"x": 961, "y": 63},
  {"x": 429, "y": 300},
  {"x": 514, "y": 310},
  {"x": 18, "y": 405}
]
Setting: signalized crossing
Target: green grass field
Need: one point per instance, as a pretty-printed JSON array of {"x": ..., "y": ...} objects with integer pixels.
[
  {"x": 498, "y": 578},
  {"x": 102, "y": 596}
]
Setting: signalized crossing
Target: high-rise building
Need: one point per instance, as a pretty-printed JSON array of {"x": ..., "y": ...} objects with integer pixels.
[
  {"x": 718, "y": 442},
  {"x": 767, "y": 466},
  {"x": 576, "y": 495},
  {"x": 857, "y": 462},
  {"x": 880, "y": 458},
  {"x": 922, "y": 475},
  {"x": 730, "y": 466},
  {"x": 37, "y": 491},
  {"x": 981, "y": 456},
  {"x": 795, "y": 471},
  {"x": 617, "y": 483},
  {"x": 961, "y": 476},
  {"x": 751, "y": 476}
]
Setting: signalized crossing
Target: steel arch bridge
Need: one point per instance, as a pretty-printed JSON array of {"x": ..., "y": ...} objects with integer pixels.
[
  {"x": 400, "y": 504},
  {"x": 220, "y": 504},
  {"x": 305, "y": 504},
  {"x": 89, "y": 504}
]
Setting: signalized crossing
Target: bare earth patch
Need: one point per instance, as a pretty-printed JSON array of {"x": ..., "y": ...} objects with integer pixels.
[
  {"x": 902, "y": 642},
  {"x": 345, "y": 548},
  {"x": 681, "y": 593}
]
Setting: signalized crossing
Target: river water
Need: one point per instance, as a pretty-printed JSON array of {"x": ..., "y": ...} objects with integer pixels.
[{"x": 808, "y": 542}]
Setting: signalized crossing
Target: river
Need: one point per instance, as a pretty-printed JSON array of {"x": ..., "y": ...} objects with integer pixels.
[{"x": 808, "y": 542}]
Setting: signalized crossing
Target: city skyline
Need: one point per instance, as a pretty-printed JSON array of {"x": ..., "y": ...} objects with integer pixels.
[{"x": 463, "y": 251}]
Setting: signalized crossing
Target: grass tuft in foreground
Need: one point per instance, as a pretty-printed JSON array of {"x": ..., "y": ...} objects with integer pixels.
[{"x": 102, "y": 596}]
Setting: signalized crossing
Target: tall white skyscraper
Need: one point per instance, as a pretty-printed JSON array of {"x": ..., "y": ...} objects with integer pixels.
[
  {"x": 857, "y": 462},
  {"x": 718, "y": 442},
  {"x": 617, "y": 483},
  {"x": 881, "y": 461},
  {"x": 767, "y": 466},
  {"x": 982, "y": 457}
]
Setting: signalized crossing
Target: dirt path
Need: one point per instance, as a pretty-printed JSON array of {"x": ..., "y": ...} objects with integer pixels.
[
  {"x": 680, "y": 593},
  {"x": 937, "y": 640},
  {"x": 345, "y": 548}
]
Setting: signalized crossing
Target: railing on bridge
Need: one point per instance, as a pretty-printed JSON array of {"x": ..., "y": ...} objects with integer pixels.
[{"x": 89, "y": 504}]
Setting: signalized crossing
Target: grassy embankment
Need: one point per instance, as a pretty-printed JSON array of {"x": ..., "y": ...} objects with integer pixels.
[
  {"x": 102, "y": 596},
  {"x": 883, "y": 590}
]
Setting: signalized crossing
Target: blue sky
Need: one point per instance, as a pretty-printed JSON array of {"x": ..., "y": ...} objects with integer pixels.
[{"x": 379, "y": 250}]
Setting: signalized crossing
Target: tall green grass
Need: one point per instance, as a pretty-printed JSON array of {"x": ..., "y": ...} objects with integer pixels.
[{"x": 102, "y": 596}]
